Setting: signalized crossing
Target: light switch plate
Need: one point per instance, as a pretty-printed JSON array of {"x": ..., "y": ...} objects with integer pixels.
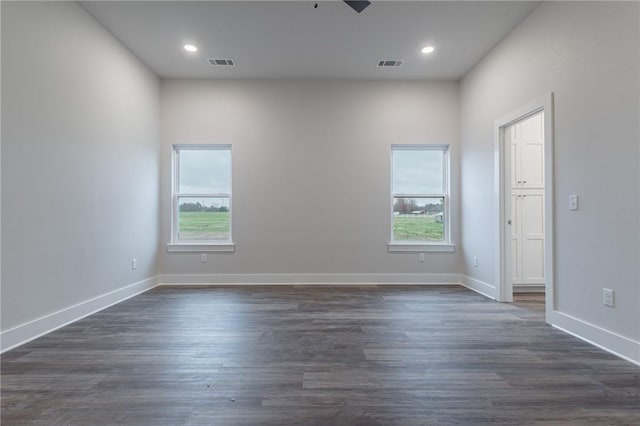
[{"x": 608, "y": 297}]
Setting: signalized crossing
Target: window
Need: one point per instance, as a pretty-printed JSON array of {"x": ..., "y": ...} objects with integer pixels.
[
  {"x": 420, "y": 198},
  {"x": 201, "y": 198}
]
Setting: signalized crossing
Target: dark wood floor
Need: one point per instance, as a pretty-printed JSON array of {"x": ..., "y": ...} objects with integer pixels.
[{"x": 286, "y": 355}]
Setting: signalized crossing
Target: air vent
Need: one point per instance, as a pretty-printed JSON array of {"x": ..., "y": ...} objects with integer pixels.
[
  {"x": 389, "y": 63},
  {"x": 214, "y": 62}
]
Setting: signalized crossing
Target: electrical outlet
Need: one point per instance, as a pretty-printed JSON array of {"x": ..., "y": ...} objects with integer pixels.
[
  {"x": 573, "y": 202},
  {"x": 421, "y": 257},
  {"x": 134, "y": 264},
  {"x": 203, "y": 258},
  {"x": 608, "y": 297},
  {"x": 475, "y": 261}
]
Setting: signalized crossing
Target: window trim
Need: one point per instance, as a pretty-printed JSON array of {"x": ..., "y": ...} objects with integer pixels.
[
  {"x": 444, "y": 245},
  {"x": 198, "y": 245}
]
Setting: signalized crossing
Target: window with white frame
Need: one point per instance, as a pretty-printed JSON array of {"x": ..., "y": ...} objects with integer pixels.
[
  {"x": 420, "y": 194},
  {"x": 201, "y": 194}
]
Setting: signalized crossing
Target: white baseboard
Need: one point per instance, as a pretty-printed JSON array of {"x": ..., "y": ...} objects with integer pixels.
[
  {"x": 528, "y": 288},
  {"x": 478, "y": 286},
  {"x": 307, "y": 279},
  {"x": 616, "y": 344},
  {"x": 609, "y": 341},
  {"x": 26, "y": 332}
]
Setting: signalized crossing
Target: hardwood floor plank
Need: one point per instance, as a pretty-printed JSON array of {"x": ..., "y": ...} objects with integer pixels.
[{"x": 316, "y": 355}]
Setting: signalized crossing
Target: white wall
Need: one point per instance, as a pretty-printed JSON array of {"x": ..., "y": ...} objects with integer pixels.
[
  {"x": 79, "y": 162},
  {"x": 310, "y": 169},
  {"x": 588, "y": 55}
]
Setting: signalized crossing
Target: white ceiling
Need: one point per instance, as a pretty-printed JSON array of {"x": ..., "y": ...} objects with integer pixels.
[{"x": 294, "y": 40}]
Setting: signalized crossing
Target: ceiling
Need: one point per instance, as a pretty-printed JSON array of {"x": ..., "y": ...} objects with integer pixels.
[{"x": 295, "y": 40}]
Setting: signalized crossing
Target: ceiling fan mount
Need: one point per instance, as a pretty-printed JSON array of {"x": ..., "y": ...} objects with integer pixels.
[{"x": 358, "y": 6}]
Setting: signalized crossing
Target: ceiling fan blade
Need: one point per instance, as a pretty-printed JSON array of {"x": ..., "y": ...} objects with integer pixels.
[{"x": 358, "y": 6}]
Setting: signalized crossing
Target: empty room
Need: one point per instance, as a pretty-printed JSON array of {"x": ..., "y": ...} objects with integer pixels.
[{"x": 320, "y": 213}]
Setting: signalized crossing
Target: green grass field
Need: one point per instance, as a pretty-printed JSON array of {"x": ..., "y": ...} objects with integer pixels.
[
  {"x": 204, "y": 225},
  {"x": 417, "y": 228},
  {"x": 215, "y": 225}
]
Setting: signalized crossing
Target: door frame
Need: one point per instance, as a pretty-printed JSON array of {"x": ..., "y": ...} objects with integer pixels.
[{"x": 504, "y": 284}]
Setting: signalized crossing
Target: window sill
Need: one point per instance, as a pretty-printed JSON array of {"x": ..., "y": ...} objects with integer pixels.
[
  {"x": 202, "y": 248},
  {"x": 399, "y": 247}
]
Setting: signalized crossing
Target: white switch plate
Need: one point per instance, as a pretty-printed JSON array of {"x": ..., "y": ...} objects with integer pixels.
[
  {"x": 421, "y": 257},
  {"x": 573, "y": 202},
  {"x": 608, "y": 297},
  {"x": 134, "y": 264},
  {"x": 203, "y": 258},
  {"x": 475, "y": 261}
]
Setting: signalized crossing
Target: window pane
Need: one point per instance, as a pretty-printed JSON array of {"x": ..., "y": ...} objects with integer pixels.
[
  {"x": 418, "y": 171},
  {"x": 205, "y": 171},
  {"x": 418, "y": 219},
  {"x": 203, "y": 218}
]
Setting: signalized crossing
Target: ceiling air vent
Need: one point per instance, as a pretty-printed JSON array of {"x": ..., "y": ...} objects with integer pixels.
[
  {"x": 221, "y": 62},
  {"x": 389, "y": 63}
]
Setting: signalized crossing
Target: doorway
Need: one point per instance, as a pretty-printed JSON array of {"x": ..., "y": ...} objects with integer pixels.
[{"x": 524, "y": 187}]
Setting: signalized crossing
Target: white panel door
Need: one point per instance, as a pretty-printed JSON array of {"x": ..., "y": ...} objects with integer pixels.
[
  {"x": 530, "y": 136},
  {"x": 525, "y": 140},
  {"x": 516, "y": 240},
  {"x": 514, "y": 165},
  {"x": 532, "y": 220}
]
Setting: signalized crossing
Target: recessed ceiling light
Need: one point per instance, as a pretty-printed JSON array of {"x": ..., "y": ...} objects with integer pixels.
[
  {"x": 428, "y": 49},
  {"x": 190, "y": 48}
]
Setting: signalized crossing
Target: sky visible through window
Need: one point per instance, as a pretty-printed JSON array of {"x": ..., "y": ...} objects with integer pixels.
[
  {"x": 418, "y": 172},
  {"x": 205, "y": 171},
  {"x": 208, "y": 171}
]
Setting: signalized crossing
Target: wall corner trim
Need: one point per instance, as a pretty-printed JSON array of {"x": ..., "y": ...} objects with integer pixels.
[{"x": 23, "y": 333}]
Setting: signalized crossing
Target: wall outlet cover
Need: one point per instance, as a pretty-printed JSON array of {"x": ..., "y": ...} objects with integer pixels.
[{"x": 573, "y": 202}]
